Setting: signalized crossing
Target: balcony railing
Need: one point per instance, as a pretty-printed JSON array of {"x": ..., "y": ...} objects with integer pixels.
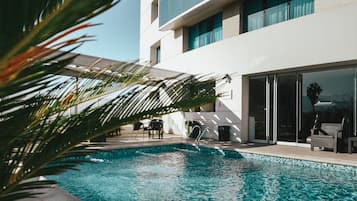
[{"x": 169, "y": 9}]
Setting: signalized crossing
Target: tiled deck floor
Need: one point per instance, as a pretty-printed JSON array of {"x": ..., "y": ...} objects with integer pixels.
[{"x": 132, "y": 140}]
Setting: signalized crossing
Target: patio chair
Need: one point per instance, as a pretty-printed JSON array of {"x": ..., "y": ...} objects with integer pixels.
[
  {"x": 115, "y": 132},
  {"x": 137, "y": 126},
  {"x": 326, "y": 135},
  {"x": 155, "y": 125}
]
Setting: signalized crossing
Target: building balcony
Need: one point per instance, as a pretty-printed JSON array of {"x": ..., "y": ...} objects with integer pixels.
[
  {"x": 318, "y": 40},
  {"x": 174, "y": 13}
]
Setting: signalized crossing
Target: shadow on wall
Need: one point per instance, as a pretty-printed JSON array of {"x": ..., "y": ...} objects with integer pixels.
[
  {"x": 174, "y": 123},
  {"x": 212, "y": 120}
]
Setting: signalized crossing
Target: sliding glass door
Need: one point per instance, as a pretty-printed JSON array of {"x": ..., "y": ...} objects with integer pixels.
[
  {"x": 286, "y": 108},
  {"x": 283, "y": 107},
  {"x": 261, "y": 90},
  {"x": 257, "y": 109},
  {"x": 273, "y": 108}
]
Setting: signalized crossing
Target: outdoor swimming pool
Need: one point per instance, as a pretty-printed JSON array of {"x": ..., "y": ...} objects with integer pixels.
[{"x": 180, "y": 172}]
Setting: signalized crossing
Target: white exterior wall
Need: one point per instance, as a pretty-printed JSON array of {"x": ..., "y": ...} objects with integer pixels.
[
  {"x": 321, "y": 5},
  {"x": 231, "y": 22},
  {"x": 174, "y": 123},
  {"x": 171, "y": 42},
  {"x": 326, "y": 38}
]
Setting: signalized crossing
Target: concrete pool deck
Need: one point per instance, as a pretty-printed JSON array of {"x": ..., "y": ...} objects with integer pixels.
[
  {"x": 292, "y": 152},
  {"x": 131, "y": 141}
]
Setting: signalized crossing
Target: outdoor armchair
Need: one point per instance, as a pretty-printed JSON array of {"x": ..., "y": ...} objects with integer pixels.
[{"x": 326, "y": 135}]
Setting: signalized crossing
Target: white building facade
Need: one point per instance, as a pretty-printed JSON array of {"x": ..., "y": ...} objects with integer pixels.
[{"x": 288, "y": 60}]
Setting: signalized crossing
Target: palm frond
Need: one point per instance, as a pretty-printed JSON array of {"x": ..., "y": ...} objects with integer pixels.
[
  {"x": 39, "y": 134},
  {"x": 38, "y": 21},
  {"x": 55, "y": 135}
]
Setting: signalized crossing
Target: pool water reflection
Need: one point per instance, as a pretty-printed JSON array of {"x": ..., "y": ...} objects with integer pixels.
[{"x": 178, "y": 173}]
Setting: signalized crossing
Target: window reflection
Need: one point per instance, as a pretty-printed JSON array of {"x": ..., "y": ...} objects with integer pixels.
[
  {"x": 205, "y": 32},
  {"x": 329, "y": 94},
  {"x": 261, "y": 13}
]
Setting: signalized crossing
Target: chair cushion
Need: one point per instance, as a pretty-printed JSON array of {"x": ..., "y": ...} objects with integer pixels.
[
  {"x": 322, "y": 137},
  {"x": 330, "y": 128}
]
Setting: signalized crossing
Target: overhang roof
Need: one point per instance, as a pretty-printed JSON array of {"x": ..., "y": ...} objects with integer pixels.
[{"x": 86, "y": 65}]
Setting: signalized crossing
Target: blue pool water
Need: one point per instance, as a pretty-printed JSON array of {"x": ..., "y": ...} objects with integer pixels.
[{"x": 180, "y": 172}]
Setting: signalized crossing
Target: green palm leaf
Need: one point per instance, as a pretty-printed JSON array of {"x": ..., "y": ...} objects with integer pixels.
[{"x": 38, "y": 135}]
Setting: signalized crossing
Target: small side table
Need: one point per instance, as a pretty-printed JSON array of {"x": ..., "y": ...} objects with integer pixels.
[{"x": 350, "y": 143}]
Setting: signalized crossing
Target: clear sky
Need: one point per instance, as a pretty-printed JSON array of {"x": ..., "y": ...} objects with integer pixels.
[{"x": 118, "y": 37}]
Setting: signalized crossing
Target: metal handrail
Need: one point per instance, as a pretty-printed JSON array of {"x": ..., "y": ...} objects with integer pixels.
[{"x": 200, "y": 133}]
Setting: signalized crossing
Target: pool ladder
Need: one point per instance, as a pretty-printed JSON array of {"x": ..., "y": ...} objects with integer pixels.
[{"x": 202, "y": 131}]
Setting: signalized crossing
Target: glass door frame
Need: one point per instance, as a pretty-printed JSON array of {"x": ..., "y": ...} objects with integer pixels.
[
  {"x": 271, "y": 108},
  {"x": 298, "y": 106},
  {"x": 270, "y": 88}
]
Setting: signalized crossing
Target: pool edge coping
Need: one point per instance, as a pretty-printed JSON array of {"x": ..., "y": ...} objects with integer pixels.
[
  {"x": 322, "y": 163},
  {"x": 239, "y": 150}
]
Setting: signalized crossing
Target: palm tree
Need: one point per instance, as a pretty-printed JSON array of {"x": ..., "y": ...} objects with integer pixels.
[
  {"x": 313, "y": 91},
  {"x": 38, "y": 137}
]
